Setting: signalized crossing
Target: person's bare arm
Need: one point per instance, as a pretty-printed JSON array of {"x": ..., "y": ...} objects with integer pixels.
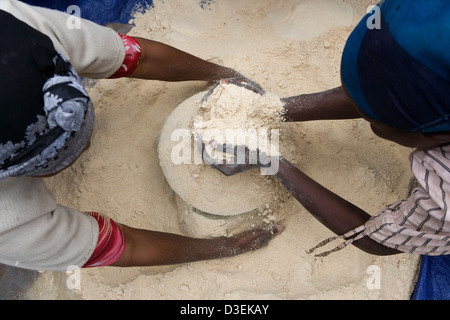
[
  {"x": 166, "y": 63},
  {"x": 151, "y": 248},
  {"x": 332, "y": 104},
  {"x": 334, "y": 212}
]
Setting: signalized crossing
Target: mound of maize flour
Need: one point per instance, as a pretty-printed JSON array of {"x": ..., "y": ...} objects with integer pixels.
[
  {"x": 194, "y": 181},
  {"x": 237, "y": 116}
]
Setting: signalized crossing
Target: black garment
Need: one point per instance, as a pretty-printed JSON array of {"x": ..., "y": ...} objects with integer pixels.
[
  {"x": 26, "y": 62},
  {"x": 38, "y": 87}
]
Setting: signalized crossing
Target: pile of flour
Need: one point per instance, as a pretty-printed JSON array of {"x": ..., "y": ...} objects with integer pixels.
[
  {"x": 194, "y": 181},
  {"x": 120, "y": 175},
  {"x": 234, "y": 115}
]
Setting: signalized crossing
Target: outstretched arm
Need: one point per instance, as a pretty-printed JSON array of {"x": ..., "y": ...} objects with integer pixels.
[
  {"x": 334, "y": 212},
  {"x": 150, "y": 248},
  {"x": 332, "y": 104},
  {"x": 163, "y": 62}
]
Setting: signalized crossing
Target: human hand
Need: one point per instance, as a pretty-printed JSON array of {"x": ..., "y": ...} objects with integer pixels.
[
  {"x": 238, "y": 81},
  {"x": 248, "y": 240},
  {"x": 151, "y": 248},
  {"x": 242, "y": 158},
  {"x": 245, "y": 83}
]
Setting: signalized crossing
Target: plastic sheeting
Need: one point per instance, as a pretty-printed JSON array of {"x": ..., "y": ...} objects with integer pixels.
[
  {"x": 99, "y": 11},
  {"x": 433, "y": 282}
]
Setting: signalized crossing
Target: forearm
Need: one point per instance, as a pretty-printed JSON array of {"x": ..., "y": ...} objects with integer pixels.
[
  {"x": 327, "y": 105},
  {"x": 163, "y": 62},
  {"x": 151, "y": 248},
  {"x": 334, "y": 212}
]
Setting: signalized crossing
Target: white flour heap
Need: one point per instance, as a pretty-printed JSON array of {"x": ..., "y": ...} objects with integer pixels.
[
  {"x": 120, "y": 174},
  {"x": 238, "y": 116},
  {"x": 230, "y": 107}
]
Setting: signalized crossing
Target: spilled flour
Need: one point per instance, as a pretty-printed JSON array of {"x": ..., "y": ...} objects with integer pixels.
[
  {"x": 121, "y": 176},
  {"x": 293, "y": 19}
]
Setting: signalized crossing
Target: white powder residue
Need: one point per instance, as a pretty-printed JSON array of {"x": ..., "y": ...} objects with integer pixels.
[{"x": 293, "y": 19}]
